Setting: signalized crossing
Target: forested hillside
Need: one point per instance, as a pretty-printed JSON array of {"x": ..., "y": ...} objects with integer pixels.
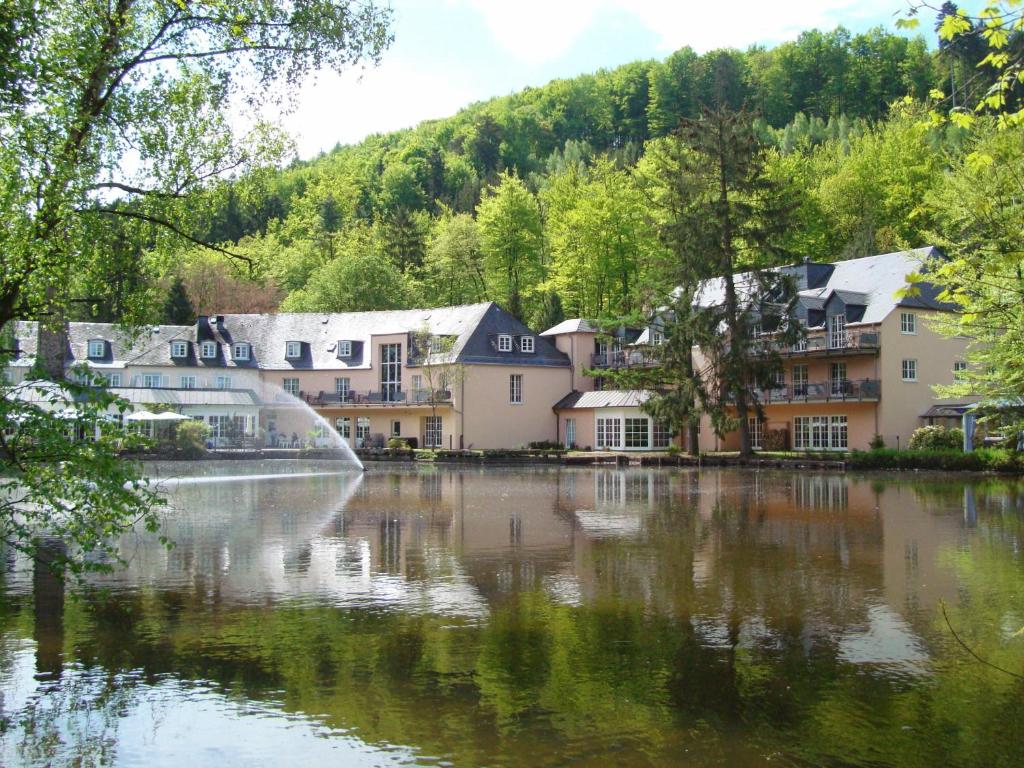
[{"x": 538, "y": 199}]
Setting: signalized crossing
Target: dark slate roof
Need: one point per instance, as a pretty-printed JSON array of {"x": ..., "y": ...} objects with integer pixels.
[
  {"x": 873, "y": 280},
  {"x": 474, "y": 328},
  {"x": 608, "y": 398},
  {"x": 481, "y": 346}
]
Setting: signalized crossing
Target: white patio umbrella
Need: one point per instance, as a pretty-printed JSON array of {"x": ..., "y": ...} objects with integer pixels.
[
  {"x": 140, "y": 416},
  {"x": 169, "y": 416}
]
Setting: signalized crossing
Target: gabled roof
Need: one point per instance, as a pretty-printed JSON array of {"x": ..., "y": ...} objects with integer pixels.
[
  {"x": 874, "y": 281},
  {"x": 473, "y": 327}
]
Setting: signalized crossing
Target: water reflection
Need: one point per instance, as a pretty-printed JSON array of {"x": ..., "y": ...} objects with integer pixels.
[{"x": 424, "y": 614}]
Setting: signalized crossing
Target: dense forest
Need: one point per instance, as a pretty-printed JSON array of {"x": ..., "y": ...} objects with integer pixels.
[{"x": 539, "y": 199}]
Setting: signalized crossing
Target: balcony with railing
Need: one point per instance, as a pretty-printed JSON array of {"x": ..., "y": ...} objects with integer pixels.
[
  {"x": 376, "y": 397},
  {"x": 825, "y": 344},
  {"x": 844, "y": 390},
  {"x": 636, "y": 357}
]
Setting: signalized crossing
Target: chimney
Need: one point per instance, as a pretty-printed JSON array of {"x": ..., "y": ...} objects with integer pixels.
[{"x": 51, "y": 347}]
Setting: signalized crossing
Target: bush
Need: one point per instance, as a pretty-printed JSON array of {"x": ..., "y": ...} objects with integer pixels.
[
  {"x": 190, "y": 438},
  {"x": 545, "y": 445},
  {"x": 937, "y": 439},
  {"x": 674, "y": 450},
  {"x": 398, "y": 444},
  {"x": 877, "y": 443},
  {"x": 983, "y": 459}
]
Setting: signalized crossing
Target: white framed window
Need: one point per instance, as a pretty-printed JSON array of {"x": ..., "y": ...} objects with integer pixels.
[
  {"x": 959, "y": 368},
  {"x": 756, "y": 429},
  {"x": 504, "y": 342},
  {"x": 179, "y": 349},
  {"x": 187, "y": 382},
  {"x": 343, "y": 426},
  {"x": 342, "y": 387},
  {"x": 290, "y": 385},
  {"x": 800, "y": 381},
  {"x": 151, "y": 380},
  {"x": 97, "y": 347},
  {"x": 820, "y": 433},
  {"x": 362, "y": 430},
  {"x": 292, "y": 349},
  {"x": 661, "y": 436},
  {"x": 837, "y": 378},
  {"x": 637, "y": 432},
  {"x": 223, "y": 382},
  {"x": 390, "y": 372},
  {"x": 657, "y": 338},
  {"x": 113, "y": 379},
  {"x": 526, "y": 344},
  {"x": 837, "y": 337},
  {"x": 909, "y": 370},
  {"x": 432, "y": 432},
  {"x": 436, "y": 345},
  {"x": 417, "y": 382},
  {"x": 208, "y": 350},
  {"x": 908, "y": 322},
  {"x": 515, "y": 388},
  {"x": 570, "y": 433},
  {"x": 344, "y": 348},
  {"x": 801, "y": 345},
  {"x": 240, "y": 351},
  {"x": 609, "y": 433}
]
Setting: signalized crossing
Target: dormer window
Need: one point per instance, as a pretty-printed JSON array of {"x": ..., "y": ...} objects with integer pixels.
[
  {"x": 293, "y": 349},
  {"x": 208, "y": 350},
  {"x": 657, "y": 338},
  {"x": 435, "y": 345},
  {"x": 504, "y": 342},
  {"x": 345, "y": 348},
  {"x": 526, "y": 344},
  {"x": 179, "y": 349},
  {"x": 240, "y": 351},
  {"x": 97, "y": 347}
]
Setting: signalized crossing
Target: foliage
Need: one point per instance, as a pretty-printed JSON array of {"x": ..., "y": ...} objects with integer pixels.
[
  {"x": 936, "y": 438},
  {"x": 511, "y": 242},
  {"x": 113, "y": 115},
  {"x": 398, "y": 444},
  {"x": 190, "y": 438},
  {"x": 979, "y": 221},
  {"x": 178, "y": 309},
  {"x": 980, "y": 460},
  {"x": 61, "y": 476}
]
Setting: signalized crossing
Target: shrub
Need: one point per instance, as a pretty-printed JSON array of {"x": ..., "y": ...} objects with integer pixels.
[
  {"x": 877, "y": 443},
  {"x": 398, "y": 444},
  {"x": 775, "y": 440},
  {"x": 983, "y": 459},
  {"x": 937, "y": 439},
  {"x": 190, "y": 438},
  {"x": 545, "y": 445},
  {"x": 674, "y": 450}
]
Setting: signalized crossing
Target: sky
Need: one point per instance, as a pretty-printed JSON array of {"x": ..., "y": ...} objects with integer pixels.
[{"x": 450, "y": 53}]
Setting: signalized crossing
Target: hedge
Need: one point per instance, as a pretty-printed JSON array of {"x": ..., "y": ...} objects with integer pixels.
[{"x": 981, "y": 460}]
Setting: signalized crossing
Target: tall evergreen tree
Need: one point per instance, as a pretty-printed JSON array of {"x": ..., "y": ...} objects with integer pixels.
[
  {"x": 178, "y": 309},
  {"x": 725, "y": 215}
]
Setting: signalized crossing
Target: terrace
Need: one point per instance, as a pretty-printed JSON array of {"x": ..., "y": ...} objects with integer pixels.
[{"x": 376, "y": 397}]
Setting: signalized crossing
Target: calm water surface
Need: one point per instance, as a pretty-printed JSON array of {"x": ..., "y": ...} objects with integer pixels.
[{"x": 590, "y": 617}]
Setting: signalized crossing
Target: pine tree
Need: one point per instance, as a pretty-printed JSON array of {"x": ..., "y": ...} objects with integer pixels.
[{"x": 178, "y": 309}]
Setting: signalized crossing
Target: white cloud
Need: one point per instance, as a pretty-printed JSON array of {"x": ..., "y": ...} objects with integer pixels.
[
  {"x": 348, "y": 107},
  {"x": 535, "y": 31}
]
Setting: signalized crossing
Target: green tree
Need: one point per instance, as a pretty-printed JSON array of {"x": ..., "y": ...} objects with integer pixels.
[
  {"x": 979, "y": 221},
  {"x": 178, "y": 309},
  {"x": 512, "y": 239},
  {"x": 732, "y": 218},
  {"x": 454, "y": 268},
  {"x": 359, "y": 279},
  {"x": 86, "y": 84}
]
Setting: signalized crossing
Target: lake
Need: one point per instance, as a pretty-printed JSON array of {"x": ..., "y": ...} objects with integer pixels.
[{"x": 418, "y": 615}]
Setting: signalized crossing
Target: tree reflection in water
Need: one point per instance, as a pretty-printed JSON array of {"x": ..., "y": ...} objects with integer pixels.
[{"x": 541, "y": 618}]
